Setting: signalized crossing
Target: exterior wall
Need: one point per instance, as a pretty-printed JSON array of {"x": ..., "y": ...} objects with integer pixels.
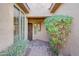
[
  {"x": 41, "y": 35},
  {"x": 72, "y": 45},
  {"x": 6, "y": 26}
]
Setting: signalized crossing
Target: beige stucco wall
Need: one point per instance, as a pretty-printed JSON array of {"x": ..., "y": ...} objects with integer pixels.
[
  {"x": 72, "y": 45},
  {"x": 6, "y": 25},
  {"x": 41, "y": 35}
]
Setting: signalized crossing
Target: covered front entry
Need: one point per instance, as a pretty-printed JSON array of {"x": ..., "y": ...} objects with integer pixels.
[
  {"x": 36, "y": 29},
  {"x": 38, "y": 37}
]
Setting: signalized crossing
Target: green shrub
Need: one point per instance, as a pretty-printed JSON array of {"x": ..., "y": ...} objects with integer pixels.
[
  {"x": 17, "y": 49},
  {"x": 58, "y": 27}
]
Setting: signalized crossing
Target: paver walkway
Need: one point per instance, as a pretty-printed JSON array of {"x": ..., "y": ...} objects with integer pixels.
[{"x": 39, "y": 48}]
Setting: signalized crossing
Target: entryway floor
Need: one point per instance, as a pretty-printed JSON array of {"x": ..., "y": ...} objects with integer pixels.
[{"x": 39, "y": 48}]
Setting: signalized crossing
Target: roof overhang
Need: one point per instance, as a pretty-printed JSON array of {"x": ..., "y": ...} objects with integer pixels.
[
  {"x": 54, "y": 7},
  {"x": 24, "y": 7},
  {"x": 37, "y": 17}
]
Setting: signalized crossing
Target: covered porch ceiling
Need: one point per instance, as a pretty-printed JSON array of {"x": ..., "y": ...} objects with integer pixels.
[
  {"x": 38, "y": 5},
  {"x": 39, "y": 9},
  {"x": 42, "y": 10}
]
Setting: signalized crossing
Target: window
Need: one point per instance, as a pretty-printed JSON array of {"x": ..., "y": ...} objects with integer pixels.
[
  {"x": 19, "y": 24},
  {"x": 16, "y": 22},
  {"x": 37, "y": 28}
]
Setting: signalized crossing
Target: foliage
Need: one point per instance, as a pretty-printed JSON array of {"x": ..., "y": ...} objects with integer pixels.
[
  {"x": 58, "y": 27},
  {"x": 16, "y": 49}
]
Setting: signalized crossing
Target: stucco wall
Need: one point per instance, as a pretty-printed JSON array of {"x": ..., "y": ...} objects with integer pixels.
[
  {"x": 72, "y": 45},
  {"x": 41, "y": 35},
  {"x": 6, "y": 25}
]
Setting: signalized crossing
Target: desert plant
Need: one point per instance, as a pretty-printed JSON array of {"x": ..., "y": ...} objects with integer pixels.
[{"x": 58, "y": 27}]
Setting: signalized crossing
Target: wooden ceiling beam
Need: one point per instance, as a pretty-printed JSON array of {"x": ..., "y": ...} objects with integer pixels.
[
  {"x": 55, "y": 7},
  {"x": 36, "y": 17},
  {"x": 23, "y": 7}
]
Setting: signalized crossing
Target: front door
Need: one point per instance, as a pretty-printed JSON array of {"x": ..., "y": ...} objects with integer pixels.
[{"x": 30, "y": 31}]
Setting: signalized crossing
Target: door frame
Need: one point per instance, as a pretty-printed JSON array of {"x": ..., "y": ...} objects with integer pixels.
[{"x": 30, "y": 33}]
